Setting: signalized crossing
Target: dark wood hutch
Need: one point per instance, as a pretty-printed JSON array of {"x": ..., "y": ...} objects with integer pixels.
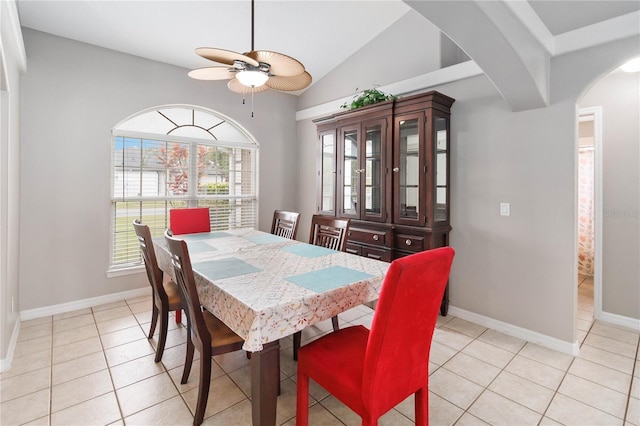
[{"x": 386, "y": 167}]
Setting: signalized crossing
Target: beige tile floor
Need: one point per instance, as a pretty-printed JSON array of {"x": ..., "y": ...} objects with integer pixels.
[{"x": 95, "y": 366}]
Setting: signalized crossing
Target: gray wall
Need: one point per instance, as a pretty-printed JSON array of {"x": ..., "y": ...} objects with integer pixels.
[
  {"x": 619, "y": 96},
  {"x": 381, "y": 61},
  {"x": 521, "y": 269},
  {"x": 72, "y": 96},
  {"x": 516, "y": 269}
]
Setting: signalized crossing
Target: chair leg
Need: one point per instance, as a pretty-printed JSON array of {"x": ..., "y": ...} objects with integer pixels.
[
  {"x": 178, "y": 316},
  {"x": 297, "y": 338},
  {"x": 188, "y": 360},
  {"x": 302, "y": 400},
  {"x": 154, "y": 320},
  {"x": 422, "y": 407},
  {"x": 162, "y": 339},
  {"x": 203, "y": 387},
  {"x": 334, "y": 322}
]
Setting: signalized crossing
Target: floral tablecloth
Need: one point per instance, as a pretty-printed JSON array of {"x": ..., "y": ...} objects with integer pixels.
[{"x": 265, "y": 287}]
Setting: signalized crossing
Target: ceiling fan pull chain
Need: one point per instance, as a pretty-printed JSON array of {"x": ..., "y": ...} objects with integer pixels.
[{"x": 252, "y": 102}]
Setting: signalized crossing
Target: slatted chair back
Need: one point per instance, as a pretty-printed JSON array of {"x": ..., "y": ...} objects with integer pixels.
[
  {"x": 329, "y": 232},
  {"x": 285, "y": 224},
  {"x": 154, "y": 273}
]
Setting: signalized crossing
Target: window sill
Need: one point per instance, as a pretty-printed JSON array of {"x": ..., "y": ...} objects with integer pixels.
[{"x": 112, "y": 273}]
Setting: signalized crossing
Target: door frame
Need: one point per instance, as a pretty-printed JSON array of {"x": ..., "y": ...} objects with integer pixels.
[{"x": 595, "y": 114}]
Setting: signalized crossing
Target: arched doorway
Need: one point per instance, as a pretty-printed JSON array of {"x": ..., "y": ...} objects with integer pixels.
[{"x": 615, "y": 97}]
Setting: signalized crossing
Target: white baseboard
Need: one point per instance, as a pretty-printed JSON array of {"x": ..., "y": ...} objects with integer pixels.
[
  {"x": 84, "y": 303},
  {"x": 5, "y": 363},
  {"x": 615, "y": 319},
  {"x": 571, "y": 348}
]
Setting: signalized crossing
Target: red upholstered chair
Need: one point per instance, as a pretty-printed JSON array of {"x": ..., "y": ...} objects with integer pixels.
[
  {"x": 189, "y": 221},
  {"x": 373, "y": 371},
  {"x": 166, "y": 295}
]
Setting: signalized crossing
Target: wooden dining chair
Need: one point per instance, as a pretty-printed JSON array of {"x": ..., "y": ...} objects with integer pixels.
[
  {"x": 373, "y": 371},
  {"x": 331, "y": 233},
  {"x": 166, "y": 295},
  {"x": 285, "y": 224},
  {"x": 190, "y": 220},
  {"x": 208, "y": 334}
]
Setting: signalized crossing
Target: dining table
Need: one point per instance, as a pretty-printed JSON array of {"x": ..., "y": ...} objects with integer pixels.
[{"x": 266, "y": 287}]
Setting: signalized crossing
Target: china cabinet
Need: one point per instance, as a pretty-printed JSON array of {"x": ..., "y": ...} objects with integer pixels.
[{"x": 386, "y": 166}]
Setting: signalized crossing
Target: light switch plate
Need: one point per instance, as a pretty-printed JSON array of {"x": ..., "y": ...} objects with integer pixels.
[{"x": 505, "y": 209}]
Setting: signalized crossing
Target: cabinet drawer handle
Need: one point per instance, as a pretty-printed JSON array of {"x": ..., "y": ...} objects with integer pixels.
[
  {"x": 396, "y": 169},
  {"x": 376, "y": 237},
  {"x": 408, "y": 242}
]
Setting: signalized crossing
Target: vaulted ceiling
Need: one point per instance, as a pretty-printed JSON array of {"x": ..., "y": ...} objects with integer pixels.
[{"x": 511, "y": 40}]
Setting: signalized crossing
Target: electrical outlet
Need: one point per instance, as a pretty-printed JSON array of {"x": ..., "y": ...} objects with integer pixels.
[{"x": 505, "y": 209}]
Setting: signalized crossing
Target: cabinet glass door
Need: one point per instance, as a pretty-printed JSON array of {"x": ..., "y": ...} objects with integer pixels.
[
  {"x": 371, "y": 173},
  {"x": 327, "y": 185},
  {"x": 350, "y": 172},
  {"x": 442, "y": 174},
  {"x": 407, "y": 171}
]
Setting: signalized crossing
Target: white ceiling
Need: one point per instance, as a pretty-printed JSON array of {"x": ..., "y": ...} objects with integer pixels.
[
  {"x": 561, "y": 16},
  {"x": 319, "y": 33}
]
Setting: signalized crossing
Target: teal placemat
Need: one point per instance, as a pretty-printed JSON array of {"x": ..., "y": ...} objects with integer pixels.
[
  {"x": 308, "y": 250},
  {"x": 328, "y": 279},
  {"x": 266, "y": 239},
  {"x": 203, "y": 236},
  {"x": 224, "y": 268},
  {"x": 200, "y": 247}
]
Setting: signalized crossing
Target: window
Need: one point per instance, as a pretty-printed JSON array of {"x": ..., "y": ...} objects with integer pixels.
[{"x": 178, "y": 157}]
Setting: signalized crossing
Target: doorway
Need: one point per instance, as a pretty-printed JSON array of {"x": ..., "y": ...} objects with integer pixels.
[{"x": 588, "y": 222}]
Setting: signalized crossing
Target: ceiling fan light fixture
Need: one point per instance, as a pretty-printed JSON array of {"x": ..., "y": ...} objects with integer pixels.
[{"x": 252, "y": 78}]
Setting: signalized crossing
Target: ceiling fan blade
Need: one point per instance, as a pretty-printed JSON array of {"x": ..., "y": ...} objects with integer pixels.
[
  {"x": 224, "y": 56},
  {"x": 212, "y": 73},
  {"x": 280, "y": 64},
  {"x": 235, "y": 86},
  {"x": 289, "y": 84}
]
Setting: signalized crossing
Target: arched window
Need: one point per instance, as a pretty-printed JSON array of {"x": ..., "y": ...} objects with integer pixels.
[{"x": 174, "y": 157}]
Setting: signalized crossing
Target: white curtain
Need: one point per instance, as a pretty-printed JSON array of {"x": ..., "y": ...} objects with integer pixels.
[{"x": 585, "y": 211}]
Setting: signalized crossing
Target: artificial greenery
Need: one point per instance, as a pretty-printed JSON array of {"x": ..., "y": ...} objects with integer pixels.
[{"x": 367, "y": 97}]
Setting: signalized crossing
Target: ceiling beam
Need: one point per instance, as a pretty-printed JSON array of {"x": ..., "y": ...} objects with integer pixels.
[{"x": 489, "y": 32}]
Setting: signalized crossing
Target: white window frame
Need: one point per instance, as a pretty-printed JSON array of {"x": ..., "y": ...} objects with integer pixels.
[{"x": 192, "y": 198}]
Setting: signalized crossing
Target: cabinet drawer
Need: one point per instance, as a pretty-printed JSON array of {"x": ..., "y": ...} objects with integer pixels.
[
  {"x": 376, "y": 253},
  {"x": 365, "y": 236},
  {"x": 411, "y": 243},
  {"x": 353, "y": 249}
]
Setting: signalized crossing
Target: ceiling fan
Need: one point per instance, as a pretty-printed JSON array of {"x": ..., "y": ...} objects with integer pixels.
[{"x": 254, "y": 71}]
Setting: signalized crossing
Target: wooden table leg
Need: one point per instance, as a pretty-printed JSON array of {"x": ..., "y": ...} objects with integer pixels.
[{"x": 265, "y": 377}]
